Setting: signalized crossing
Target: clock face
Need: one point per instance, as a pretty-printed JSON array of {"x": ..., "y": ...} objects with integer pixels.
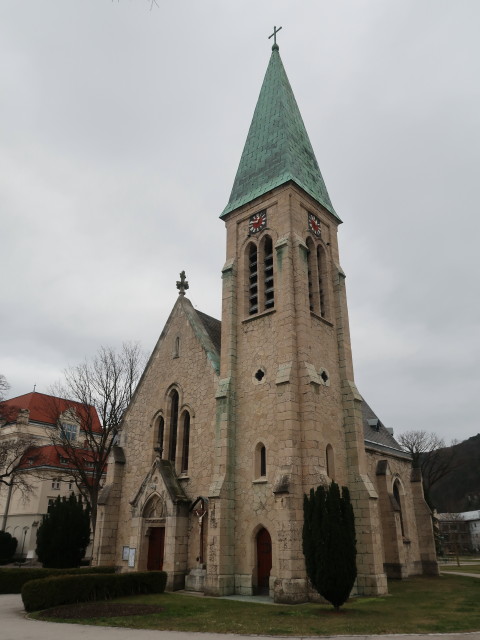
[
  {"x": 257, "y": 222},
  {"x": 314, "y": 224}
]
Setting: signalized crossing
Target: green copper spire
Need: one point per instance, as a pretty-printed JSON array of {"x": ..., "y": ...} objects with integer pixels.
[{"x": 277, "y": 148}]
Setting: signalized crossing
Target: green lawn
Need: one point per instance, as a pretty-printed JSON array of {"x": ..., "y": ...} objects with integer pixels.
[{"x": 417, "y": 605}]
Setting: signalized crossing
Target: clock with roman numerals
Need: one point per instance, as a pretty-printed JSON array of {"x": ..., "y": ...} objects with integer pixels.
[
  {"x": 314, "y": 224},
  {"x": 257, "y": 222}
]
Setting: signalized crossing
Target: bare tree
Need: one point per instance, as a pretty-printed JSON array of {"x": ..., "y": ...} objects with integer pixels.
[
  {"x": 99, "y": 392},
  {"x": 13, "y": 460},
  {"x": 454, "y": 534},
  {"x": 4, "y": 387},
  {"x": 430, "y": 454},
  {"x": 13, "y": 447}
]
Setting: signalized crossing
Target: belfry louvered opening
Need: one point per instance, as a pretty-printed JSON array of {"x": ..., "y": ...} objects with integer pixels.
[
  {"x": 253, "y": 279},
  {"x": 322, "y": 280},
  {"x": 268, "y": 272},
  {"x": 317, "y": 278}
]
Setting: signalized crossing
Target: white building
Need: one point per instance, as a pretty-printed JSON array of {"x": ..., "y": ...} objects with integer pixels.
[
  {"x": 473, "y": 519},
  {"x": 36, "y": 415}
]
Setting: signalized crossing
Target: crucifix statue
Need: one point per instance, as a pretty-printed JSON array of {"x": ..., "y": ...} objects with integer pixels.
[
  {"x": 274, "y": 36},
  {"x": 200, "y": 508},
  {"x": 182, "y": 284}
]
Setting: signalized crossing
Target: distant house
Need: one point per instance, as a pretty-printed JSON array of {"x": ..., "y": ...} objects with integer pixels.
[
  {"x": 50, "y": 471},
  {"x": 459, "y": 532},
  {"x": 473, "y": 520}
]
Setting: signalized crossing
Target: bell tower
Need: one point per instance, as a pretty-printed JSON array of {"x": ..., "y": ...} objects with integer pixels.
[{"x": 288, "y": 412}]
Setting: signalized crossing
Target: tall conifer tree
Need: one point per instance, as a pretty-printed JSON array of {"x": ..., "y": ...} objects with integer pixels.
[{"x": 329, "y": 544}]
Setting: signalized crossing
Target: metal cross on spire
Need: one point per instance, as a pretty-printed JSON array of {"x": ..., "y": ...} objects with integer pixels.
[
  {"x": 182, "y": 284},
  {"x": 274, "y": 36}
]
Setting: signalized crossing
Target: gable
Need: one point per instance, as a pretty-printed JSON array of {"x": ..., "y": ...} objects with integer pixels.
[
  {"x": 160, "y": 480},
  {"x": 198, "y": 336}
]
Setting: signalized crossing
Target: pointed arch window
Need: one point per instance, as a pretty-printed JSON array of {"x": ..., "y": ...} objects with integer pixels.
[
  {"x": 312, "y": 276},
  {"x": 186, "y": 442},
  {"x": 172, "y": 449},
  {"x": 317, "y": 278},
  {"x": 260, "y": 464},
  {"x": 397, "y": 496},
  {"x": 322, "y": 280},
  {"x": 268, "y": 273},
  {"x": 263, "y": 461},
  {"x": 159, "y": 435},
  {"x": 330, "y": 460},
  {"x": 252, "y": 279}
]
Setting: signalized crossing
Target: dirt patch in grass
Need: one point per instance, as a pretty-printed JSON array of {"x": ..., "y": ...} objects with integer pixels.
[{"x": 103, "y": 609}]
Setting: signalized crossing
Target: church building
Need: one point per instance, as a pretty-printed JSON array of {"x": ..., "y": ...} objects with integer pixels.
[{"x": 233, "y": 421}]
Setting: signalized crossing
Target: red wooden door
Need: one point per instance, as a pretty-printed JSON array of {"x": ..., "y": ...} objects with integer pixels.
[
  {"x": 264, "y": 560},
  {"x": 156, "y": 544}
]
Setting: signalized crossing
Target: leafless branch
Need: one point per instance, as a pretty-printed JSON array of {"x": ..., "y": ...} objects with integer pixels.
[
  {"x": 106, "y": 383},
  {"x": 429, "y": 454},
  {"x": 4, "y": 386},
  {"x": 13, "y": 455}
]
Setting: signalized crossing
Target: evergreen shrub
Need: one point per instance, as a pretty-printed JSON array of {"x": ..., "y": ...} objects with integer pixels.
[
  {"x": 64, "y": 533},
  {"x": 12, "y": 580},
  {"x": 54, "y": 591},
  {"x": 8, "y": 545},
  {"x": 329, "y": 544}
]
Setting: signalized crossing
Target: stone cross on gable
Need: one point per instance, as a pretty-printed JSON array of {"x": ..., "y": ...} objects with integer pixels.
[{"x": 182, "y": 284}]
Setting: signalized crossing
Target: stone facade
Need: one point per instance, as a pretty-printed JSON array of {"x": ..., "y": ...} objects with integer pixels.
[{"x": 272, "y": 410}]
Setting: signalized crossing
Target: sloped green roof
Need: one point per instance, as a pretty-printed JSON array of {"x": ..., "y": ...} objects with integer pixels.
[{"x": 277, "y": 148}]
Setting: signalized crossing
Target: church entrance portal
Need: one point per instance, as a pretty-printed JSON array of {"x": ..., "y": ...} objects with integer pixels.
[
  {"x": 156, "y": 545},
  {"x": 264, "y": 561}
]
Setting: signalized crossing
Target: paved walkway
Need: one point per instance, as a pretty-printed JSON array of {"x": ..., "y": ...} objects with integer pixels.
[
  {"x": 15, "y": 626},
  {"x": 460, "y": 573}
]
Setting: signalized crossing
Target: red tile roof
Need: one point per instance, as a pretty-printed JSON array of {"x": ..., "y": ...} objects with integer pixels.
[
  {"x": 51, "y": 456},
  {"x": 45, "y": 408}
]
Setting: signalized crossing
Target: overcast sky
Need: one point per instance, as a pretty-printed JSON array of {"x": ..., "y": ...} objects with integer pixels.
[{"x": 121, "y": 129}]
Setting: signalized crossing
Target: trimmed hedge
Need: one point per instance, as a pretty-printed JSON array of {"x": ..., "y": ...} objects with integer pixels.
[
  {"x": 8, "y": 545},
  {"x": 12, "y": 580},
  {"x": 54, "y": 591}
]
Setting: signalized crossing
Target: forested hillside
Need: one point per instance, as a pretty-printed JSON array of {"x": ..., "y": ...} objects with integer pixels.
[{"x": 459, "y": 490}]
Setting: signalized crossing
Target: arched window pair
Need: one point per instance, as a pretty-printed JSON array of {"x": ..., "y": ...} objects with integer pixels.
[
  {"x": 169, "y": 440},
  {"x": 317, "y": 279},
  {"x": 261, "y": 292}
]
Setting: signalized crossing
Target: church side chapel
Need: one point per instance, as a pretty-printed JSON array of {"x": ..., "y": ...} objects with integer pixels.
[{"x": 234, "y": 421}]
